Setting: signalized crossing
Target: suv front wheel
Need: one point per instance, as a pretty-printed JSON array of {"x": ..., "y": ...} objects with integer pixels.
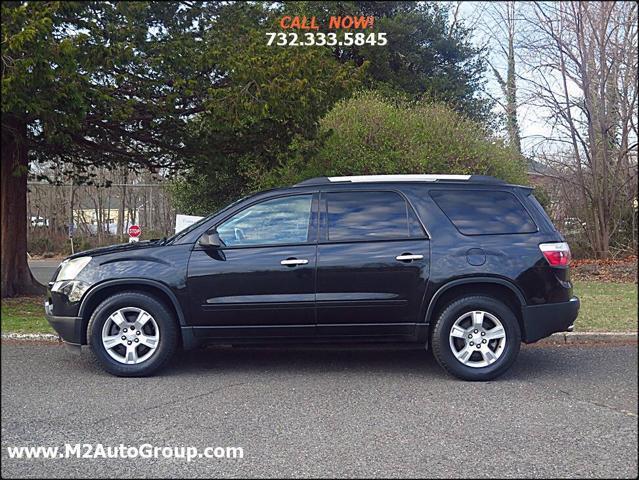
[
  {"x": 132, "y": 334},
  {"x": 476, "y": 338}
]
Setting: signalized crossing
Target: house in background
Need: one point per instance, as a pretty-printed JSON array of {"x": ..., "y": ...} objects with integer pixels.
[{"x": 87, "y": 218}]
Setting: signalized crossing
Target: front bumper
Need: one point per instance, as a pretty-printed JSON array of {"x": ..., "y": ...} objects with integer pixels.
[
  {"x": 70, "y": 329},
  {"x": 543, "y": 320}
]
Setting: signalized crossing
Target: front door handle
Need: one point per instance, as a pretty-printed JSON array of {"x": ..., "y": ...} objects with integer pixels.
[
  {"x": 408, "y": 257},
  {"x": 291, "y": 262}
]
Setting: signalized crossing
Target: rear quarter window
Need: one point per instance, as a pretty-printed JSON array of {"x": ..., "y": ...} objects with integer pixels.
[
  {"x": 484, "y": 212},
  {"x": 542, "y": 215}
]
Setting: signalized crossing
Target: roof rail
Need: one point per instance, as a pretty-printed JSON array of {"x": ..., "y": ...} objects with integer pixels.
[{"x": 400, "y": 178}]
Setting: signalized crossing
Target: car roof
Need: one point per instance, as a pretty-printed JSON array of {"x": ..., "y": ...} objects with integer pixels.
[{"x": 412, "y": 178}]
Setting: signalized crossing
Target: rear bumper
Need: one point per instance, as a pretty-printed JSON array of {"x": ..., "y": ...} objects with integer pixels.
[
  {"x": 543, "y": 320},
  {"x": 69, "y": 328}
]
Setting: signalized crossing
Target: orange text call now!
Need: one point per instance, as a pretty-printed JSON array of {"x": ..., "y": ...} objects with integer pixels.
[{"x": 334, "y": 22}]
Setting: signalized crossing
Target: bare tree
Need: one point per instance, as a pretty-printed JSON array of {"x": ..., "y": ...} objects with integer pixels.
[
  {"x": 583, "y": 59},
  {"x": 98, "y": 209},
  {"x": 501, "y": 24}
]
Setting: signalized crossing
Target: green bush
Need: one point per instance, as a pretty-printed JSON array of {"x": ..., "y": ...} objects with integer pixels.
[
  {"x": 40, "y": 245},
  {"x": 372, "y": 134}
]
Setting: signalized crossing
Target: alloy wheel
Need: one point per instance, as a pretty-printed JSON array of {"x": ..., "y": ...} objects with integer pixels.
[
  {"x": 130, "y": 335},
  {"x": 477, "y": 339}
]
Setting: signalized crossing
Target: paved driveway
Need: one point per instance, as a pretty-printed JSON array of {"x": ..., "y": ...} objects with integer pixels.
[
  {"x": 562, "y": 411},
  {"x": 43, "y": 269}
]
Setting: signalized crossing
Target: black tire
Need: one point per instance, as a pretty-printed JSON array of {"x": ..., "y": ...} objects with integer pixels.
[
  {"x": 166, "y": 323},
  {"x": 447, "y": 318}
]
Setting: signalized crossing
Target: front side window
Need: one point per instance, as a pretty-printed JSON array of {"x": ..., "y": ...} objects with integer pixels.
[
  {"x": 273, "y": 222},
  {"x": 370, "y": 216}
]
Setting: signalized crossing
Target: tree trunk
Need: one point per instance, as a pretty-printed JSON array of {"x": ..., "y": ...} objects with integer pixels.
[
  {"x": 16, "y": 276},
  {"x": 122, "y": 209},
  {"x": 512, "y": 124}
]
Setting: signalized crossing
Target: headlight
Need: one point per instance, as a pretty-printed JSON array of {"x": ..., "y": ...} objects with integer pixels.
[
  {"x": 73, "y": 289},
  {"x": 70, "y": 268}
]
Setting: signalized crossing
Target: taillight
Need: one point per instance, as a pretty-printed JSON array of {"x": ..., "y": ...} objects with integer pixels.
[{"x": 557, "y": 254}]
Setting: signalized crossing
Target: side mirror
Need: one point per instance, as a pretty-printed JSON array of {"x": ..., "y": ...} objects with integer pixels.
[{"x": 210, "y": 239}]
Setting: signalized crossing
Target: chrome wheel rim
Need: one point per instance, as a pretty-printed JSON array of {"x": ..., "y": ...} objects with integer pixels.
[
  {"x": 477, "y": 339},
  {"x": 130, "y": 335}
]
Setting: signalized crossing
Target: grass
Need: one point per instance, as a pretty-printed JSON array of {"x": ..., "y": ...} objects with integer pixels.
[
  {"x": 604, "y": 307},
  {"x": 24, "y": 315}
]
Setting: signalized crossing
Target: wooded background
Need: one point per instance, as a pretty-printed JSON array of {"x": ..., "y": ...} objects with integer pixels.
[{"x": 100, "y": 98}]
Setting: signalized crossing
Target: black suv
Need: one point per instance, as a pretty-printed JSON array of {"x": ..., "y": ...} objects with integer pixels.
[{"x": 468, "y": 264}]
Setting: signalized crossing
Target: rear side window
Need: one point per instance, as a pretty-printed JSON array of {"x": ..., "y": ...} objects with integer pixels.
[
  {"x": 370, "y": 216},
  {"x": 482, "y": 212}
]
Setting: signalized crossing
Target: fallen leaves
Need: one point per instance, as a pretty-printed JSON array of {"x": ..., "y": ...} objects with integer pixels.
[{"x": 608, "y": 270}]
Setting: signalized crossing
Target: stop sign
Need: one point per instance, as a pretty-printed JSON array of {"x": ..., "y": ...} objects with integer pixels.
[{"x": 134, "y": 231}]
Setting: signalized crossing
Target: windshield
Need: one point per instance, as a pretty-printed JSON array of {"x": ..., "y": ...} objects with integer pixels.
[
  {"x": 188, "y": 229},
  {"x": 199, "y": 223}
]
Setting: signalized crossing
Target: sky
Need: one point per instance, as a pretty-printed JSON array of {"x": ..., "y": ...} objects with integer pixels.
[{"x": 532, "y": 123}]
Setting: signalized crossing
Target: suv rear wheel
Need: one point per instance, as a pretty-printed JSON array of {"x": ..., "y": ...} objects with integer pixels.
[
  {"x": 132, "y": 334},
  {"x": 476, "y": 338}
]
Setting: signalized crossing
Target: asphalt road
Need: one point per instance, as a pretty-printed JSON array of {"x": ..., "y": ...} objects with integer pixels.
[
  {"x": 43, "y": 269},
  {"x": 561, "y": 411}
]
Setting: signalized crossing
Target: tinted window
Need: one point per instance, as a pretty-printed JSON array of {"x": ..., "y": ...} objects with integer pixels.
[
  {"x": 414, "y": 227},
  {"x": 541, "y": 211},
  {"x": 484, "y": 212},
  {"x": 277, "y": 221},
  {"x": 369, "y": 215}
]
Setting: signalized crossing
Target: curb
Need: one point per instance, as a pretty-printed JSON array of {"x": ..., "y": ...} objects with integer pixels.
[
  {"x": 38, "y": 337},
  {"x": 556, "y": 338},
  {"x": 589, "y": 337}
]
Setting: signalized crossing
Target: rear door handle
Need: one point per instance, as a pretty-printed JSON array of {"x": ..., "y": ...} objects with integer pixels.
[
  {"x": 407, "y": 257},
  {"x": 294, "y": 261}
]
